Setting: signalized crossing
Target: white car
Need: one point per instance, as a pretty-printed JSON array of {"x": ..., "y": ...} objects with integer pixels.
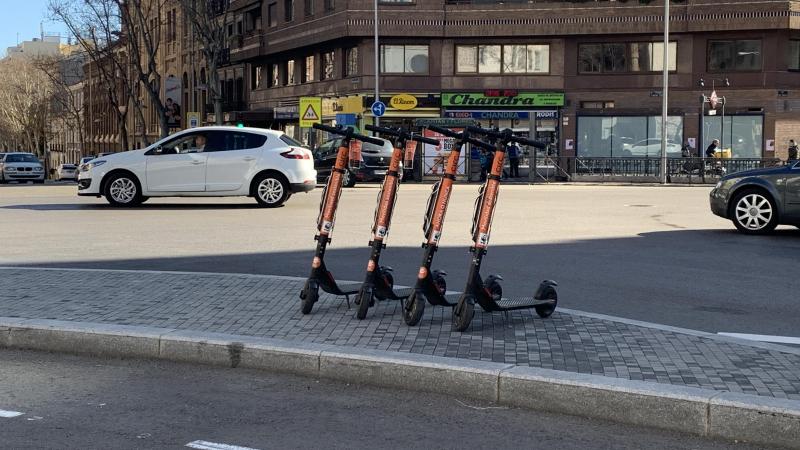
[
  {"x": 204, "y": 162},
  {"x": 21, "y": 167},
  {"x": 67, "y": 172}
]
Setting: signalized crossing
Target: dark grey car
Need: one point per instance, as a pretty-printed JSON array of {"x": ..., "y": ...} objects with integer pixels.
[{"x": 757, "y": 201}]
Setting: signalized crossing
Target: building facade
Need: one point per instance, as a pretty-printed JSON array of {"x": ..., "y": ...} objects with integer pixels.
[{"x": 585, "y": 76}]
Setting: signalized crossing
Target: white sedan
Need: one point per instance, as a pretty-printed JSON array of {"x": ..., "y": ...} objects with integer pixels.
[
  {"x": 67, "y": 172},
  {"x": 204, "y": 162}
]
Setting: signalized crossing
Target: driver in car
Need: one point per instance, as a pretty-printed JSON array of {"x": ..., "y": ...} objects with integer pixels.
[{"x": 200, "y": 143}]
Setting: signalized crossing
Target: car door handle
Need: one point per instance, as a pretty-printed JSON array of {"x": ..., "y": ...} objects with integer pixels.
[
  {"x": 198, "y": 161},
  {"x": 249, "y": 158}
]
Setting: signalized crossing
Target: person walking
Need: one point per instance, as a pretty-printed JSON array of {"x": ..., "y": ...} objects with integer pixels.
[
  {"x": 513, "y": 159},
  {"x": 792, "y": 150}
]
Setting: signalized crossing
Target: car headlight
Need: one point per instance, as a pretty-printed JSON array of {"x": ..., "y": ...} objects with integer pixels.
[
  {"x": 91, "y": 165},
  {"x": 38, "y": 169},
  {"x": 10, "y": 169},
  {"x": 719, "y": 185}
]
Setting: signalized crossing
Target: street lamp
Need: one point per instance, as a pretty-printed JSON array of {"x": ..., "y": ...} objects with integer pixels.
[
  {"x": 712, "y": 102},
  {"x": 377, "y": 63},
  {"x": 665, "y": 94}
]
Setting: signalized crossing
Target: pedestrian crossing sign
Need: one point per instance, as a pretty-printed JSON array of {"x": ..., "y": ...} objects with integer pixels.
[{"x": 310, "y": 109}]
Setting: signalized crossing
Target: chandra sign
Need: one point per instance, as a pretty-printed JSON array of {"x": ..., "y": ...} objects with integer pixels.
[
  {"x": 520, "y": 100},
  {"x": 403, "y": 102}
]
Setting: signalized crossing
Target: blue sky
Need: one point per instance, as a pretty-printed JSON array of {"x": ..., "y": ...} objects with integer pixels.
[{"x": 23, "y": 18}]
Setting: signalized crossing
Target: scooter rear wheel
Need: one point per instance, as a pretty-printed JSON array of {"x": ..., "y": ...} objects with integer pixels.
[
  {"x": 363, "y": 300},
  {"x": 545, "y": 311},
  {"x": 413, "y": 308},
  {"x": 308, "y": 296},
  {"x": 463, "y": 312}
]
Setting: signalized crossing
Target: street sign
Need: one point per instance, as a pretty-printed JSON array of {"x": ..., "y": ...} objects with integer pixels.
[
  {"x": 310, "y": 111},
  {"x": 193, "y": 119},
  {"x": 378, "y": 109}
]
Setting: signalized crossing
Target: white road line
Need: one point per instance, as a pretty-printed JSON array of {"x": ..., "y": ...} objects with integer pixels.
[
  {"x": 764, "y": 338},
  {"x": 9, "y": 414},
  {"x": 205, "y": 445}
]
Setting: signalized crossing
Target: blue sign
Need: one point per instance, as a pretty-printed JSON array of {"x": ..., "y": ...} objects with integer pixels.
[
  {"x": 346, "y": 119},
  {"x": 378, "y": 109}
]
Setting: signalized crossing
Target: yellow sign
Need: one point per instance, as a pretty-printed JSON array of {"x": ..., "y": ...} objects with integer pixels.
[
  {"x": 310, "y": 111},
  {"x": 352, "y": 104},
  {"x": 403, "y": 102}
]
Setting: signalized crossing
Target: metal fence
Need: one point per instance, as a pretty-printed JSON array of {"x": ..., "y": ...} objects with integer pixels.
[{"x": 690, "y": 168}]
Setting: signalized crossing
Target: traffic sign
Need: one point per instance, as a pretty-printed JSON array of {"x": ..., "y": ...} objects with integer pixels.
[
  {"x": 378, "y": 109},
  {"x": 310, "y": 111}
]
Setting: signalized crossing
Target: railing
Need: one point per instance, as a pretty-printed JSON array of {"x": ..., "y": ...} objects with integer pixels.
[{"x": 676, "y": 167}]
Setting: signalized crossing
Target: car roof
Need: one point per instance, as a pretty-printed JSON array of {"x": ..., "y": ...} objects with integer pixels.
[{"x": 264, "y": 131}]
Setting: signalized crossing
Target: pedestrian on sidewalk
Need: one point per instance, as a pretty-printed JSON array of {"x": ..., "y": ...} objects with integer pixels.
[
  {"x": 712, "y": 149},
  {"x": 513, "y": 159},
  {"x": 485, "y": 164},
  {"x": 792, "y": 150}
]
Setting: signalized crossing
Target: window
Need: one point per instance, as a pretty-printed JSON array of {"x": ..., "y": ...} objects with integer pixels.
[
  {"x": 256, "y": 80},
  {"x": 275, "y": 76},
  {"x": 309, "y": 69},
  {"x": 288, "y": 10},
  {"x": 627, "y": 136},
  {"x": 328, "y": 65},
  {"x": 329, "y": 5},
  {"x": 509, "y": 59},
  {"x": 404, "y": 59},
  {"x": 597, "y": 104},
  {"x": 272, "y": 14},
  {"x": 237, "y": 140},
  {"x": 253, "y": 18},
  {"x": 309, "y": 7},
  {"x": 188, "y": 143},
  {"x": 351, "y": 68},
  {"x": 625, "y": 57},
  {"x": 743, "y": 134},
  {"x": 288, "y": 140},
  {"x": 794, "y": 55},
  {"x": 734, "y": 56},
  {"x": 290, "y": 75}
]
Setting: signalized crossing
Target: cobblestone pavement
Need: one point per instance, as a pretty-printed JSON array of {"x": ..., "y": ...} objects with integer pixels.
[{"x": 268, "y": 306}]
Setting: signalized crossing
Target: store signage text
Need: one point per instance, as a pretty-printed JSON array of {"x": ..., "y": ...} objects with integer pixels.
[
  {"x": 500, "y": 115},
  {"x": 403, "y": 102},
  {"x": 522, "y": 99}
]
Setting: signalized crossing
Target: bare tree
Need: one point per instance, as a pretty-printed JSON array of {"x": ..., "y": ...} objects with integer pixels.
[
  {"x": 209, "y": 19},
  {"x": 64, "y": 73},
  {"x": 97, "y": 27},
  {"x": 25, "y": 100}
]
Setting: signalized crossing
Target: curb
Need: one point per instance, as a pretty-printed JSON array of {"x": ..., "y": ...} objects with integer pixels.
[{"x": 719, "y": 414}]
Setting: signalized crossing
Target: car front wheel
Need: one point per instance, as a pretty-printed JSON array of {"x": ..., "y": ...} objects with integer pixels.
[
  {"x": 271, "y": 191},
  {"x": 349, "y": 179},
  {"x": 754, "y": 212},
  {"x": 123, "y": 190}
]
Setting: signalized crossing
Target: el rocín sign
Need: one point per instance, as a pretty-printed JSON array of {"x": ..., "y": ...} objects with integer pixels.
[{"x": 502, "y": 99}]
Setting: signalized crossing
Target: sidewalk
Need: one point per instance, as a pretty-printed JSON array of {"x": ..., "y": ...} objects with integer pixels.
[{"x": 646, "y": 355}]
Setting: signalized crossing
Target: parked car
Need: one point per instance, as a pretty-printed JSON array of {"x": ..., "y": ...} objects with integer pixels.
[
  {"x": 21, "y": 167},
  {"x": 757, "y": 201},
  {"x": 204, "y": 162},
  {"x": 67, "y": 172},
  {"x": 375, "y": 161}
]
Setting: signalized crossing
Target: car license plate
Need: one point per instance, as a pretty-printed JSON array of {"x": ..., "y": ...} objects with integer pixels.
[{"x": 380, "y": 172}]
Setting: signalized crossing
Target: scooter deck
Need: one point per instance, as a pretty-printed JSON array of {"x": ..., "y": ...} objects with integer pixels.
[
  {"x": 448, "y": 300},
  {"x": 343, "y": 289},
  {"x": 512, "y": 303}
]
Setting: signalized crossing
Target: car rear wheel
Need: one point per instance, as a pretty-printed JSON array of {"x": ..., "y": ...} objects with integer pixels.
[
  {"x": 754, "y": 212},
  {"x": 349, "y": 179},
  {"x": 122, "y": 190},
  {"x": 271, "y": 190}
]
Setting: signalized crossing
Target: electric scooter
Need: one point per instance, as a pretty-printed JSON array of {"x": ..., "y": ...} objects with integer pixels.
[
  {"x": 431, "y": 286},
  {"x": 379, "y": 281},
  {"x": 488, "y": 293},
  {"x": 320, "y": 276}
]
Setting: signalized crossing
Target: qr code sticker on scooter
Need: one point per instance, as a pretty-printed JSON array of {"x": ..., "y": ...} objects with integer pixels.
[
  {"x": 327, "y": 226},
  {"x": 483, "y": 239},
  {"x": 436, "y": 236},
  {"x": 380, "y": 232}
]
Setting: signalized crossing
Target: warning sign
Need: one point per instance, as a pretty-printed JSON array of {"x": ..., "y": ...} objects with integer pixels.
[{"x": 310, "y": 111}]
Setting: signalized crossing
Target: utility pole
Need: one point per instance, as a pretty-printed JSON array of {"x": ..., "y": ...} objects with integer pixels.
[
  {"x": 665, "y": 96},
  {"x": 377, "y": 64}
]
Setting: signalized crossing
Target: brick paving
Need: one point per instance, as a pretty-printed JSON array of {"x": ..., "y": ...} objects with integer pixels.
[{"x": 269, "y": 307}]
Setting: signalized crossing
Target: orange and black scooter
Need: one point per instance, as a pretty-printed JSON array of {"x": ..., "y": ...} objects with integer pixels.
[
  {"x": 488, "y": 293},
  {"x": 320, "y": 276},
  {"x": 379, "y": 281},
  {"x": 431, "y": 286}
]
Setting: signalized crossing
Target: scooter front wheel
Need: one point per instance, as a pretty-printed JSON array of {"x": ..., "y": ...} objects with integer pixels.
[
  {"x": 545, "y": 311},
  {"x": 413, "y": 308},
  {"x": 363, "y": 300},
  {"x": 463, "y": 312},
  {"x": 308, "y": 296}
]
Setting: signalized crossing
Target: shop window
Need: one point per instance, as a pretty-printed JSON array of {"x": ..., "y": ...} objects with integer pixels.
[
  {"x": 328, "y": 65},
  {"x": 272, "y": 14},
  {"x": 309, "y": 7},
  {"x": 742, "y": 134},
  {"x": 309, "y": 69},
  {"x": 288, "y": 10},
  {"x": 627, "y": 136},
  {"x": 734, "y": 56},
  {"x": 794, "y": 55},
  {"x": 404, "y": 59},
  {"x": 351, "y": 68}
]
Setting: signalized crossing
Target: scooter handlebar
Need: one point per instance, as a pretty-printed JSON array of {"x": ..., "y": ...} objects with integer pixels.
[
  {"x": 383, "y": 130},
  {"x": 401, "y": 134},
  {"x": 530, "y": 142},
  {"x": 481, "y": 144},
  {"x": 423, "y": 139},
  {"x": 445, "y": 131},
  {"x": 506, "y": 136},
  {"x": 348, "y": 132}
]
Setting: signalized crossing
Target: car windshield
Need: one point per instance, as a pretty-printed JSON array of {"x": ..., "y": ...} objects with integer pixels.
[
  {"x": 21, "y": 158},
  {"x": 68, "y": 166}
]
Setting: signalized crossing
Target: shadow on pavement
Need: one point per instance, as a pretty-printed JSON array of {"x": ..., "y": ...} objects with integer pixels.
[{"x": 712, "y": 280}]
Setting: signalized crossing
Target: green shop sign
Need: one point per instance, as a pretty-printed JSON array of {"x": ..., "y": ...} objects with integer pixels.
[{"x": 498, "y": 100}]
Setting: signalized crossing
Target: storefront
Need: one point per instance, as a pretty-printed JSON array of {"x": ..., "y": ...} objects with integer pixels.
[
  {"x": 639, "y": 136},
  {"x": 403, "y": 108}
]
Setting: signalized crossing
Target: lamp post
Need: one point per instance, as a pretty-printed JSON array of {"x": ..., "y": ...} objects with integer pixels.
[
  {"x": 665, "y": 94},
  {"x": 705, "y": 100},
  {"x": 377, "y": 64}
]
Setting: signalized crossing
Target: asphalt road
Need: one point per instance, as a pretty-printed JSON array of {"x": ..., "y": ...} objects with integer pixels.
[
  {"x": 71, "y": 402},
  {"x": 642, "y": 252}
]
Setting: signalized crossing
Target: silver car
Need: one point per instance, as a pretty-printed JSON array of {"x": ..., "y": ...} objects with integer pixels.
[{"x": 21, "y": 167}]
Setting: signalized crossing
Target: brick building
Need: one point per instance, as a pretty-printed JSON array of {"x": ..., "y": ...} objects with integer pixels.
[{"x": 584, "y": 75}]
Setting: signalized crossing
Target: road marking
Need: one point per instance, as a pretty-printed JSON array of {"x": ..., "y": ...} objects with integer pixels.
[
  {"x": 764, "y": 338},
  {"x": 9, "y": 414},
  {"x": 205, "y": 445}
]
